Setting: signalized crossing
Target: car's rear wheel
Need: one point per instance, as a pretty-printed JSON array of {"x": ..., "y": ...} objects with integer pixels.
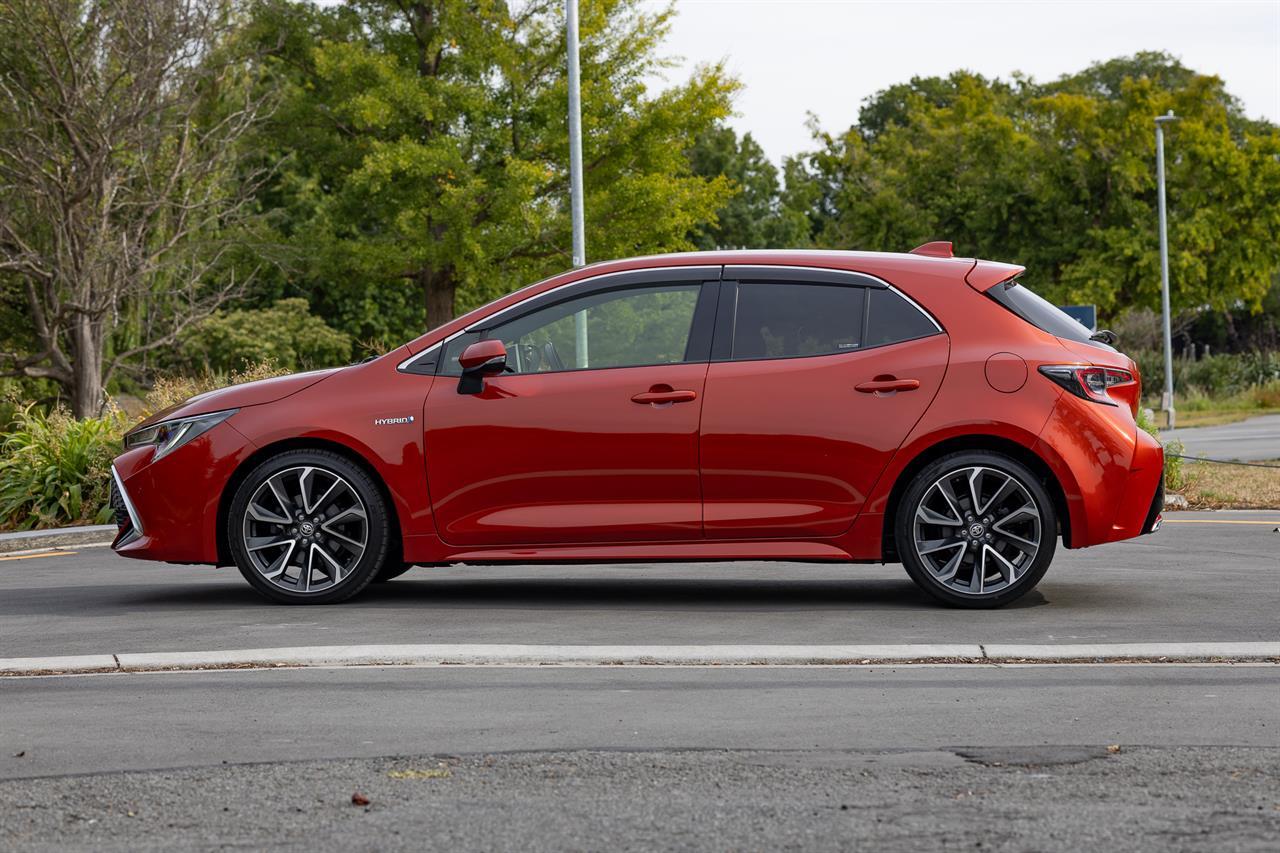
[
  {"x": 976, "y": 529},
  {"x": 308, "y": 527}
]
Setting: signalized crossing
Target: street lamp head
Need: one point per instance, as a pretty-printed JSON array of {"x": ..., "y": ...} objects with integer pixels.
[{"x": 1169, "y": 116}]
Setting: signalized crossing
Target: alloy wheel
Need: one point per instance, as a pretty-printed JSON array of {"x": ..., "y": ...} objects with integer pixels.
[
  {"x": 977, "y": 530},
  {"x": 305, "y": 529}
]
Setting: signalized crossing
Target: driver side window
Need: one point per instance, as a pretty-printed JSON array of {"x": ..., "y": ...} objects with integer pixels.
[{"x": 618, "y": 328}]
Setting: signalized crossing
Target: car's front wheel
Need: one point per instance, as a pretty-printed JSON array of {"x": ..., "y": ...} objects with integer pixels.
[
  {"x": 308, "y": 527},
  {"x": 976, "y": 529}
]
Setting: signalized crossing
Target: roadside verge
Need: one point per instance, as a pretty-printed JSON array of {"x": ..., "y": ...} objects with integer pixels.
[{"x": 60, "y": 537}]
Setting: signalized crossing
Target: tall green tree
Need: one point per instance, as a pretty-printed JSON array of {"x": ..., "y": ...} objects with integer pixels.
[
  {"x": 756, "y": 216},
  {"x": 123, "y": 190},
  {"x": 424, "y": 150},
  {"x": 1061, "y": 177}
]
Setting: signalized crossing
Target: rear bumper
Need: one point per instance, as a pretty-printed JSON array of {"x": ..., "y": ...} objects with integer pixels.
[{"x": 1112, "y": 473}]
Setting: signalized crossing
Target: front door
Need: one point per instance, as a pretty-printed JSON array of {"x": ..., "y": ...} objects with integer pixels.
[
  {"x": 593, "y": 435},
  {"x": 817, "y": 385}
]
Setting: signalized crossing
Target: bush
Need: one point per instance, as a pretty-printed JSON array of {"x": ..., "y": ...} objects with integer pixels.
[
  {"x": 1174, "y": 478},
  {"x": 286, "y": 334},
  {"x": 1212, "y": 376},
  {"x": 172, "y": 390},
  {"x": 56, "y": 470}
]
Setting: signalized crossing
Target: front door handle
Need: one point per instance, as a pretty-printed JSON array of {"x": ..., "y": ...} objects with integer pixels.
[
  {"x": 887, "y": 384},
  {"x": 660, "y": 394}
]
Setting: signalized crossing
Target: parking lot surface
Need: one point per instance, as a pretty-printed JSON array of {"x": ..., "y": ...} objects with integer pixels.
[{"x": 1205, "y": 577}]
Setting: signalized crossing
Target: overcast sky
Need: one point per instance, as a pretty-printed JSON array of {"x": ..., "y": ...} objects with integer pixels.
[{"x": 800, "y": 56}]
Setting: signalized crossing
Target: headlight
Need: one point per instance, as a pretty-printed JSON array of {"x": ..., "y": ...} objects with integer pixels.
[{"x": 170, "y": 435}]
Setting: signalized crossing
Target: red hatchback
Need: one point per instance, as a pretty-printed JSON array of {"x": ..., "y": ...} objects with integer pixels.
[{"x": 834, "y": 406}]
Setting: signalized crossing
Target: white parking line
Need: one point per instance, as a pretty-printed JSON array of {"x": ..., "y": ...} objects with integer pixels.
[{"x": 613, "y": 656}]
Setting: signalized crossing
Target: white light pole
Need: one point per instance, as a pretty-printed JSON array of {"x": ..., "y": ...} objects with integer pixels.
[
  {"x": 582, "y": 357},
  {"x": 1166, "y": 401},
  {"x": 575, "y": 135}
]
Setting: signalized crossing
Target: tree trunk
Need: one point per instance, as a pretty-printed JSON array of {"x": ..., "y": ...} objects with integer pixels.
[
  {"x": 86, "y": 368},
  {"x": 439, "y": 288}
]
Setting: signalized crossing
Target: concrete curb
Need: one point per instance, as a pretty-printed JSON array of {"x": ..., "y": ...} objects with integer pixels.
[
  {"x": 30, "y": 540},
  {"x": 612, "y": 656}
]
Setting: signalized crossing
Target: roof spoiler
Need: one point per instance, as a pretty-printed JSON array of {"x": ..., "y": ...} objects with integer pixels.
[{"x": 987, "y": 274}]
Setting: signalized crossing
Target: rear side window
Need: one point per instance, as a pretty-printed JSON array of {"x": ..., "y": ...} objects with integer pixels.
[
  {"x": 785, "y": 320},
  {"x": 1039, "y": 313},
  {"x": 890, "y": 319}
]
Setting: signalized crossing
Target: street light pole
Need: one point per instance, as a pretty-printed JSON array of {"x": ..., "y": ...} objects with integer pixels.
[
  {"x": 1166, "y": 401},
  {"x": 575, "y": 136}
]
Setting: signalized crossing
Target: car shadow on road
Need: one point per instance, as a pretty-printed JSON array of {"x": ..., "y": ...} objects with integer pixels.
[{"x": 618, "y": 593}]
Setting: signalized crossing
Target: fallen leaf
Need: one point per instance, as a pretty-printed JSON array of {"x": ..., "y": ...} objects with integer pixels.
[
  {"x": 20, "y": 754},
  {"x": 359, "y": 799},
  {"x": 428, "y": 773},
  {"x": 1113, "y": 748}
]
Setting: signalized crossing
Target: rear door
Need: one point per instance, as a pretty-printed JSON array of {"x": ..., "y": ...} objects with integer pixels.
[{"x": 817, "y": 377}]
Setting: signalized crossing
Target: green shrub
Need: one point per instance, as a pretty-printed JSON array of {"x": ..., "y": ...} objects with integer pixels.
[
  {"x": 1213, "y": 376},
  {"x": 56, "y": 470},
  {"x": 1174, "y": 478},
  {"x": 286, "y": 334}
]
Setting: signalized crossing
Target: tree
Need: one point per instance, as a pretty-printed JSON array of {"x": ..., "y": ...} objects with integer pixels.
[
  {"x": 755, "y": 217},
  {"x": 1060, "y": 177},
  {"x": 122, "y": 191},
  {"x": 425, "y": 150}
]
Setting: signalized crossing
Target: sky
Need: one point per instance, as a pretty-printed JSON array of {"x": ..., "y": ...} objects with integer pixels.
[{"x": 796, "y": 57}]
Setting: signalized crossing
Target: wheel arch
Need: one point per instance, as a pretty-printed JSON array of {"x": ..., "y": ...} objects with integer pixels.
[
  {"x": 959, "y": 443},
  {"x": 395, "y": 548}
]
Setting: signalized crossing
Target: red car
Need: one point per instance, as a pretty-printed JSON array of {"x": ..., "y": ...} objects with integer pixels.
[{"x": 811, "y": 406}]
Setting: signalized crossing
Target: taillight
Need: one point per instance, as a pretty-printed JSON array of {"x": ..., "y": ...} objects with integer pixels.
[{"x": 1088, "y": 383}]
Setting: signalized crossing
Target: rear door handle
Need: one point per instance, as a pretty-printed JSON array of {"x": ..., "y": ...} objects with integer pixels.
[
  {"x": 660, "y": 394},
  {"x": 883, "y": 384}
]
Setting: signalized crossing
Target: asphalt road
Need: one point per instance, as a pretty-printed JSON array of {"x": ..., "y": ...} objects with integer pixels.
[
  {"x": 911, "y": 758},
  {"x": 1250, "y": 440},
  {"x": 1196, "y": 580},
  {"x": 533, "y": 758}
]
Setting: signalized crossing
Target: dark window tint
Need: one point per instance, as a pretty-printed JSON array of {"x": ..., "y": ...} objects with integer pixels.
[
  {"x": 894, "y": 319},
  {"x": 786, "y": 320},
  {"x": 1039, "y": 313}
]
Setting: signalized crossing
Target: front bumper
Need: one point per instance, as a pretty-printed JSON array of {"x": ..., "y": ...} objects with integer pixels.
[{"x": 167, "y": 509}]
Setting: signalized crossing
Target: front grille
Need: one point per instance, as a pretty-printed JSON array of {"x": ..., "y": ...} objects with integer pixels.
[{"x": 118, "y": 507}]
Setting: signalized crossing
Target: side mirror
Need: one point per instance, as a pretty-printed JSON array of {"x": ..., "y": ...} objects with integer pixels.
[{"x": 481, "y": 359}]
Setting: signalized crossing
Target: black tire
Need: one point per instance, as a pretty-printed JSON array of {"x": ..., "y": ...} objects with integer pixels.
[
  {"x": 363, "y": 496},
  {"x": 1003, "y": 555},
  {"x": 391, "y": 571}
]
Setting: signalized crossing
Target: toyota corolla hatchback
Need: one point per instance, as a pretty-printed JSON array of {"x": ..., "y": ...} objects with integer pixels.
[{"x": 803, "y": 406}]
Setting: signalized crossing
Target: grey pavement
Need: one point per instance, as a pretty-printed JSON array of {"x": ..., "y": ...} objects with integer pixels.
[
  {"x": 1005, "y": 758},
  {"x": 1249, "y": 440},
  {"x": 1196, "y": 580}
]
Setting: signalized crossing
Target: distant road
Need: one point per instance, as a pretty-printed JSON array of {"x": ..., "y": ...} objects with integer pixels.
[{"x": 1254, "y": 439}]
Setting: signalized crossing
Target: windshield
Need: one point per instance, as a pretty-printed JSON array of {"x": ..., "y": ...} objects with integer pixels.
[{"x": 1039, "y": 313}]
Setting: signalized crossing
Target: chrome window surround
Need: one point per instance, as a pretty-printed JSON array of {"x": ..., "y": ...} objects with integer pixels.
[
  {"x": 886, "y": 285},
  {"x": 712, "y": 270},
  {"x": 722, "y": 273}
]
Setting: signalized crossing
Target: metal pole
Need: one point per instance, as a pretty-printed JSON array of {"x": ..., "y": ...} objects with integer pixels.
[
  {"x": 575, "y": 136},
  {"x": 1166, "y": 402}
]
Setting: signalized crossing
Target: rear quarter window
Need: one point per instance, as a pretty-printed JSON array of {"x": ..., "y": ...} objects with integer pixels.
[{"x": 890, "y": 319}]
